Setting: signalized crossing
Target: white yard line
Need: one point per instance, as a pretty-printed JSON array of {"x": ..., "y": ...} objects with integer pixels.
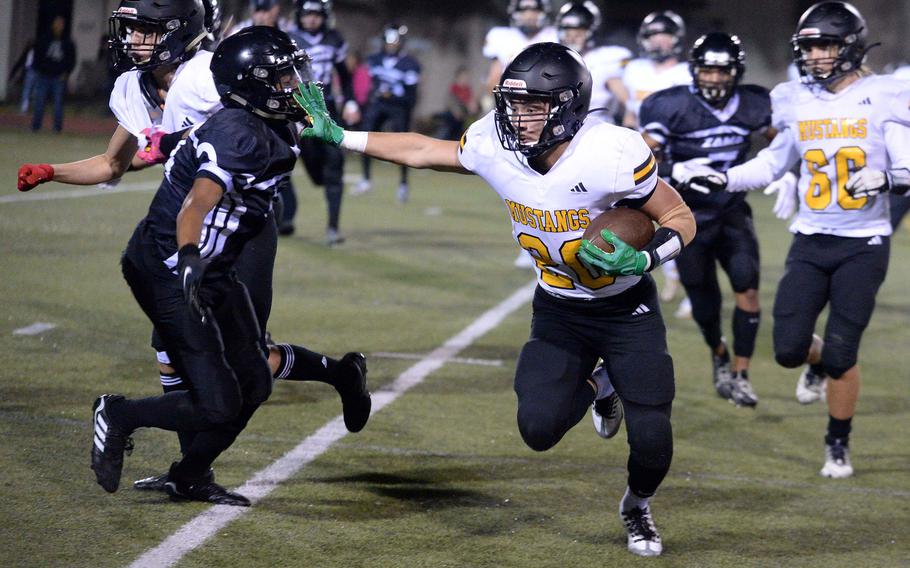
[
  {"x": 417, "y": 356},
  {"x": 36, "y": 328},
  {"x": 193, "y": 534},
  {"x": 88, "y": 191}
]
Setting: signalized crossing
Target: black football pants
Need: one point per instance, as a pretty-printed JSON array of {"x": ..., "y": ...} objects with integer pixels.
[{"x": 567, "y": 337}]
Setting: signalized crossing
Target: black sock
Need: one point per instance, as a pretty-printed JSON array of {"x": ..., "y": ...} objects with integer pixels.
[
  {"x": 838, "y": 429},
  {"x": 745, "y": 330},
  {"x": 300, "y": 364},
  {"x": 173, "y": 411},
  {"x": 172, "y": 382}
]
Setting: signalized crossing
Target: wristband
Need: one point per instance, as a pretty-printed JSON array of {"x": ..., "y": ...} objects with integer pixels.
[{"x": 355, "y": 141}]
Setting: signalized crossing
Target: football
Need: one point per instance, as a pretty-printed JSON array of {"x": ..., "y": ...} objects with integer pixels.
[{"x": 630, "y": 225}]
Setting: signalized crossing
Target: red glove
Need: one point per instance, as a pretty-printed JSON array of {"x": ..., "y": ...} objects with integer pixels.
[
  {"x": 31, "y": 175},
  {"x": 151, "y": 154}
]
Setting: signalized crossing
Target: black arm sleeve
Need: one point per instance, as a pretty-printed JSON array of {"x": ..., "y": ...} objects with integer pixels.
[{"x": 346, "y": 80}]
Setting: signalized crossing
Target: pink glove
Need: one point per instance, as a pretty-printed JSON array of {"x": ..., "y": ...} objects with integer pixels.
[{"x": 151, "y": 154}]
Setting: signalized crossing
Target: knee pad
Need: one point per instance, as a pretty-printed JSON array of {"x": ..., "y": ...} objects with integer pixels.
[
  {"x": 650, "y": 435},
  {"x": 214, "y": 385},
  {"x": 537, "y": 430},
  {"x": 253, "y": 373},
  {"x": 790, "y": 351},
  {"x": 838, "y": 359}
]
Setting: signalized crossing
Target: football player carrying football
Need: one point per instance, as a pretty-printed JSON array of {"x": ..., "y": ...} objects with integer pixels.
[
  {"x": 850, "y": 132},
  {"x": 556, "y": 169},
  {"x": 714, "y": 119}
]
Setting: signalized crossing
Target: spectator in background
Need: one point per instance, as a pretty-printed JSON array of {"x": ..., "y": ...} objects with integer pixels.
[
  {"x": 461, "y": 106},
  {"x": 360, "y": 77},
  {"x": 25, "y": 65},
  {"x": 392, "y": 98},
  {"x": 55, "y": 57}
]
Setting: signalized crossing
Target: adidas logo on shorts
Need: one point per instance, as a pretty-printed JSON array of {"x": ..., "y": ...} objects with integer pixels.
[{"x": 641, "y": 309}]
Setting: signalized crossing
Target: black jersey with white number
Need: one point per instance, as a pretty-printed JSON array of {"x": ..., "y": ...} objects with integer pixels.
[
  {"x": 326, "y": 50},
  {"x": 687, "y": 127},
  {"x": 247, "y": 156}
]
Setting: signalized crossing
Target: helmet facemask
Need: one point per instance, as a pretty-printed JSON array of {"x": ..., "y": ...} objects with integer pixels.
[
  {"x": 529, "y": 21},
  {"x": 842, "y": 57},
  {"x": 274, "y": 86},
  {"x": 521, "y": 112},
  {"x": 141, "y": 43},
  {"x": 658, "y": 49}
]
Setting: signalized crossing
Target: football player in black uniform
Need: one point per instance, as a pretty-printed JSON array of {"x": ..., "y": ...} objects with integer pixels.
[
  {"x": 217, "y": 194},
  {"x": 713, "y": 119},
  {"x": 324, "y": 163},
  {"x": 393, "y": 96}
]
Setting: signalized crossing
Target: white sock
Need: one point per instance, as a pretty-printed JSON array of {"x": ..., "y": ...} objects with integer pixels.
[
  {"x": 631, "y": 500},
  {"x": 602, "y": 380}
]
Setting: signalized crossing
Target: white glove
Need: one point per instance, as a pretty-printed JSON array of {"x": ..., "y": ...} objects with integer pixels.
[
  {"x": 867, "y": 183},
  {"x": 697, "y": 175},
  {"x": 785, "y": 188}
]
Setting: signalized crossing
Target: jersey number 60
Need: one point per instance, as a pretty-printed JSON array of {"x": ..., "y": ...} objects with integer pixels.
[{"x": 846, "y": 161}]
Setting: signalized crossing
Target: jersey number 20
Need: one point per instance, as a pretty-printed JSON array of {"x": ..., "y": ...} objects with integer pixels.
[{"x": 568, "y": 251}]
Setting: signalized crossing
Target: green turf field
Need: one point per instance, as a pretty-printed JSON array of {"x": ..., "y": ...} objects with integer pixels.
[{"x": 440, "y": 477}]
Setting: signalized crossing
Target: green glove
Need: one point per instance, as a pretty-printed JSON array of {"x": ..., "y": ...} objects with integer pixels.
[
  {"x": 321, "y": 126},
  {"x": 623, "y": 261}
]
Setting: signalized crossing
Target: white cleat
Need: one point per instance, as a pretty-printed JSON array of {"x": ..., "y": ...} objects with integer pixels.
[
  {"x": 607, "y": 414},
  {"x": 811, "y": 387},
  {"x": 643, "y": 538},
  {"x": 363, "y": 186},
  {"x": 669, "y": 289},
  {"x": 684, "y": 311},
  {"x": 837, "y": 461},
  {"x": 404, "y": 192}
]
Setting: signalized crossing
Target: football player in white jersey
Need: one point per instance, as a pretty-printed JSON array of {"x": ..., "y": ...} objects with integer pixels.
[
  {"x": 661, "y": 39},
  {"x": 577, "y": 23},
  {"x": 556, "y": 169},
  {"x": 529, "y": 22},
  {"x": 849, "y": 130}
]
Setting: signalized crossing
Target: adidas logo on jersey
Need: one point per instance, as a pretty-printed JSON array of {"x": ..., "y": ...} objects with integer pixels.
[
  {"x": 641, "y": 309},
  {"x": 579, "y": 188},
  {"x": 186, "y": 123},
  {"x": 865, "y": 101}
]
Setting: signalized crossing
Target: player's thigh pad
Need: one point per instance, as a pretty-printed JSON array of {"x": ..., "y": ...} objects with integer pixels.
[
  {"x": 801, "y": 295},
  {"x": 854, "y": 285},
  {"x": 738, "y": 253}
]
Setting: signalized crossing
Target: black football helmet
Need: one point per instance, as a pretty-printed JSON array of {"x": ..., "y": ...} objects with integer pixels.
[
  {"x": 321, "y": 7},
  {"x": 550, "y": 72},
  {"x": 259, "y": 69},
  {"x": 545, "y": 8},
  {"x": 578, "y": 15},
  {"x": 177, "y": 25},
  {"x": 262, "y": 5},
  {"x": 665, "y": 22},
  {"x": 213, "y": 23},
  {"x": 717, "y": 50},
  {"x": 393, "y": 36},
  {"x": 837, "y": 23}
]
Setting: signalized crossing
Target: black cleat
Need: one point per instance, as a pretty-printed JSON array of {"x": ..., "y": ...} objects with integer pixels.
[
  {"x": 108, "y": 445},
  {"x": 350, "y": 381},
  {"x": 154, "y": 483},
  {"x": 206, "y": 491}
]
